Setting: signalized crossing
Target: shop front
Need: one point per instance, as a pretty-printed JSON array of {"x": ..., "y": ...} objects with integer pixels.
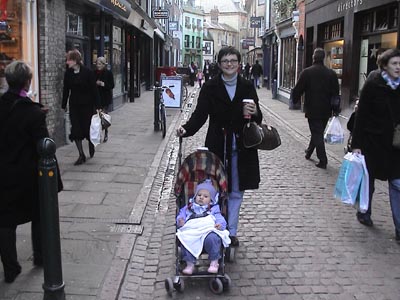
[
  {"x": 18, "y": 39},
  {"x": 353, "y": 33}
]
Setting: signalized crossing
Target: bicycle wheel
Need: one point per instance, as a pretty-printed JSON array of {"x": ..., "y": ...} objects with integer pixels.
[
  {"x": 163, "y": 121},
  {"x": 184, "y": 93}
]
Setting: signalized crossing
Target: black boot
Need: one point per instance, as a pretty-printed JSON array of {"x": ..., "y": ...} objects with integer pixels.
[
  {"x": 105, "y": 135},
  {"x": 8, "y": 253},
  {"x": 91, "y": 149},
  {"x": 82, "y": 157}
]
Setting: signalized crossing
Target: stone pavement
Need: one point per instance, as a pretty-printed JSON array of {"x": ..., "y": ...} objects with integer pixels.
[
  {"x": 101, "y": 208},
  {"x": 297, "y": 241}
]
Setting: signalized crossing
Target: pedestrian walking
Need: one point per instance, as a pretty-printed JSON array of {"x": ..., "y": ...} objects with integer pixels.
[
  {"x": 377, "y": 114},
  {"x": 22, "y": 125},
  {"x": 199, "y": 78},
  {"x": 207, "y": 71},
  {"x": 247, "y": 71},
  {"x": 319, "y": 84},
  {"x": 80, "y": 90},
  {"x": 256, "y": 72},
  {"x": 220, "y": 99},
  {"x": 192, "y": 74},
  {"x": 105, "y": 85}
]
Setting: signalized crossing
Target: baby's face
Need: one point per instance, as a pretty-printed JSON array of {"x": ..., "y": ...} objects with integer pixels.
[{"x": 203, "y": 197}]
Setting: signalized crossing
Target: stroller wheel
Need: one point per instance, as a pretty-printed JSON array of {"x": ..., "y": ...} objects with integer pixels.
[
  {"x": 169, "y": 286},
  {"x": 180, "y": 285},
  {"x": 226, "y": 282},
  {"x": 216, "y": 286},
  {"x": 230, "y": 254}
]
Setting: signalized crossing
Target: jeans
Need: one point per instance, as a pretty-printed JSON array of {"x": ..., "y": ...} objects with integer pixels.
[
  {"x": 235, "y": 197},
  {"x": 212, "y": 245},
  {"x": 317, "y": 128},
  {"x": 256, "y": 81},
  {"x": 394, "y": 196}
]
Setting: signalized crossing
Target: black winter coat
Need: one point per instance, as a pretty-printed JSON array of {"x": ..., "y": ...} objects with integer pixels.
[
  {"x": 227, "y": 116},
  {"x": 378, "y": 111},
  {"x": 20, "y": 130},
  {"x": 319, "y": 84},
  {"x": 105, "y": 91}
]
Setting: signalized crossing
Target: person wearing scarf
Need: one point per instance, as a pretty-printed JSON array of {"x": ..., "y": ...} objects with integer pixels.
[{"x": 377, "y": 114}]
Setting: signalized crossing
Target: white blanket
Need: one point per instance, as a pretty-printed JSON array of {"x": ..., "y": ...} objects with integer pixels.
[{"x": 193, "y": 233}]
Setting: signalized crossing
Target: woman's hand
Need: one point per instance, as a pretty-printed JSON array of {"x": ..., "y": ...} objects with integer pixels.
[
  {"x": 250, "y": 109},
  {"x": 180, "y": 131}
]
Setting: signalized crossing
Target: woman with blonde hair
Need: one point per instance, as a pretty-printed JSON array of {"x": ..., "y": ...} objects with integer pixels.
[
  {"x": 105, "y": 85},
  {"x": 81, "y": 92}
]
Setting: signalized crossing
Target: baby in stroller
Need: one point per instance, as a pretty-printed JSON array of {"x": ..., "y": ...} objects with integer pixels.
[{"x": 202, "y": 226}]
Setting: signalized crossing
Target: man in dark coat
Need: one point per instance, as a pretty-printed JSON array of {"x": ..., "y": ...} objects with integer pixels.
[
  {"x": 22, "y": 125},
  {"x": 319, "y": 84},
  {"x": 220, "y": 99},
  {"x": 256, "y": 72}
]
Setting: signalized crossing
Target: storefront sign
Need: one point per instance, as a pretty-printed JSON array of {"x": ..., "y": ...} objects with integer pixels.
[
  {"x": 121, "y": 7},
  {"x": 349, "y": 4},
  {"x": 160, "y": 13},
  {"x": 173, "y": 26},
  {"x": 255, "y": 22}
]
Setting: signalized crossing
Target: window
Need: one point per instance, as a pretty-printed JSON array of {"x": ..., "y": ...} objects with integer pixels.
[
  {"x": 187, "y": 22},
  {"x": 74, "y": 24},
  {"x": 186, "y": 41},
  {"x": 198, "y": 43},
  {"x": 288, "y": 62},
  {"x": 192, "y": 44}
]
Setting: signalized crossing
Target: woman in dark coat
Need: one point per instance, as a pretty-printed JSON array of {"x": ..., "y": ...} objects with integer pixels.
[
  {"x": 105, "y": 84},
  {"x": 22, "y": 125},
  {"x": 81, "y": 91},
  {"x": 378, "y": 111},
  {"x": 220, "y": 99}
]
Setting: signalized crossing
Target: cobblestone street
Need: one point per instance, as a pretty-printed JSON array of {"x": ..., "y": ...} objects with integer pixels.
[{"x": 296, "y": 240}]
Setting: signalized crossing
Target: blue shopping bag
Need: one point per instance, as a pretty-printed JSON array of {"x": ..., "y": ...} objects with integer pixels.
[{"x": 349, "y": 179}]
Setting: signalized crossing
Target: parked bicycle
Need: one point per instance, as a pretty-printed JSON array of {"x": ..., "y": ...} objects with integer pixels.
[{"x": 162, "y": 115}]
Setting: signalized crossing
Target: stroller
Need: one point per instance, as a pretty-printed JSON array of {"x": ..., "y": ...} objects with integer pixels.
[{"x": 197, "y": 167}]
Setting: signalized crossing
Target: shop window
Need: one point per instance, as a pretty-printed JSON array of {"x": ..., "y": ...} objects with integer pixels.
[
  {"x": 288, "y": 62},
  {"x": 381, "y": 20},
  {"x": 332, "y": 31},
  {"x": 117, "y": 56},
  {"x": 187, "y": 22},
  {"x": 74, "y": 24},
  {"x": 366, "y": 23}
]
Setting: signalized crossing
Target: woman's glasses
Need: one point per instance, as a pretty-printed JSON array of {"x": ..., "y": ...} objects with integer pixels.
[{"x": 231, "y": 61}]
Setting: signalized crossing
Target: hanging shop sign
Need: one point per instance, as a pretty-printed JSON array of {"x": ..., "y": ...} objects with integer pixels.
[
  {"x": 121, "y": 7},
  {"x": 173, "y": 26},
  {"x": 160, "y": 14},
  {"x": 255, "y": 22}
]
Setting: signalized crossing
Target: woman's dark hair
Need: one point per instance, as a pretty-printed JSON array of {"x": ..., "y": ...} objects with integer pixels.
[
  {"x": 18, "y": 74},
  {"x": 383, "y": 58},
  {"x": 228, "y": 51},
  {"x": 74, "y": 55}
]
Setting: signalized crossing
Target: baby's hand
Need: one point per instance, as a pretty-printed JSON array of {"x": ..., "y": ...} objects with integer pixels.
[
  {"x": 181, "y": 222},
  {"x": 218, "y": 226}
]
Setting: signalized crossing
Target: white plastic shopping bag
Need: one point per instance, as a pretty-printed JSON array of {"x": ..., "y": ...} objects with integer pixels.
[
  {"x": 95, "y": 129},
  {"x": 349, "y": 179},
  {"x": 362, "y": 202},
  {"x": 334, "y": 133}
]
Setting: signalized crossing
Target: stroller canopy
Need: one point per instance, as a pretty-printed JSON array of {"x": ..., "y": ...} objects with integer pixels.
[{"x": 197, "y": 167}]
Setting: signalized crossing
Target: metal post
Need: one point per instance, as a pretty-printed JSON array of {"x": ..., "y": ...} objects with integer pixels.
[
  {"x": 156, "y": 105},
  {"x": 53, "y": 285}
]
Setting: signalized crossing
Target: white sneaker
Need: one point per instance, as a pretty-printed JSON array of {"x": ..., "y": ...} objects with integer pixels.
[
  {"x": 188, "y": 270},
  {"x": 213, "y": 267}
]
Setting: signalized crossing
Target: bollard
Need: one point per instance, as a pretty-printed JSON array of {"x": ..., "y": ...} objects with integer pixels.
[
  {"x": 53, "y": 285},
  {"x": 274, "y": 89},
  {"x": 156, "y": 107}
]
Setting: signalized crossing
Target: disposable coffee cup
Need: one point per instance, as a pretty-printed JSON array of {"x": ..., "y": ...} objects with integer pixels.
[{"x": 245, "y": 102}]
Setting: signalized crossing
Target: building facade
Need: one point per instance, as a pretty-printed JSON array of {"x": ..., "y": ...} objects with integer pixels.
[{"x": 352, "y": 33}]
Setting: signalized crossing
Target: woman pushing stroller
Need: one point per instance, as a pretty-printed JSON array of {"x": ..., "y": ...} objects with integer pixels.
[
  {"x": 221, "y": 100},
  {"x": 201, "y": 225}
]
